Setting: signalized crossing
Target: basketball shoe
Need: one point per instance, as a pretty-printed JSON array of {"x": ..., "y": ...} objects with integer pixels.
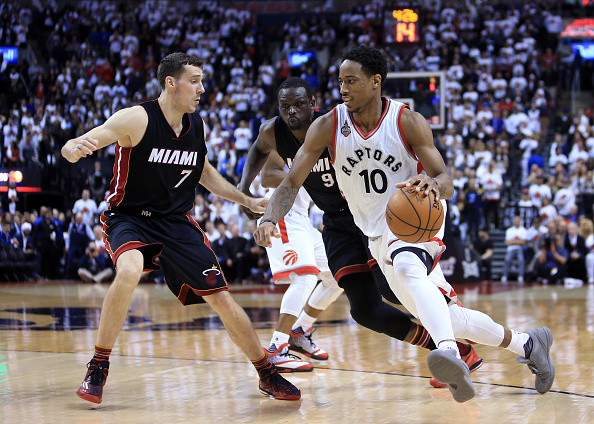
[
  {"x": 300, "y": 341},
  {"x": 473, "y": 361},
  {"x": 447, "y": 368},
  {"x": 538, "y": 358},
  {"x": 274, "y": 385},
  {"x": 91, "y": 388},
  {"x": 284, "y": 361}
]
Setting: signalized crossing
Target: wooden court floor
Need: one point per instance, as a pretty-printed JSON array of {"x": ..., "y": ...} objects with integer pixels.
[{"x": 177, "y": 365}]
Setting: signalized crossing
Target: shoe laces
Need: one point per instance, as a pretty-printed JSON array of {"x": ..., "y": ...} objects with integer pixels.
[
  {"x": 96, "y": 371},
  {"x": 284, "y": 352},
  {"x": 308, "y": 335}
]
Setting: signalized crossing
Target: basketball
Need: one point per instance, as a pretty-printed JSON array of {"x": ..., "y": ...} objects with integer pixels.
[{"x": 412, "y": 217}]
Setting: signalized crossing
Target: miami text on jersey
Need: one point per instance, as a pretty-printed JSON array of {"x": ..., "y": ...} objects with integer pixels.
[
  {"x": 173, "y": 157},
  {"x": 323, "y": 165}
]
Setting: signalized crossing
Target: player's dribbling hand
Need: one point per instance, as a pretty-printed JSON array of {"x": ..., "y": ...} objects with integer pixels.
[
  {"x": 425, "y": 184},
  {"x": 84, "y": 147},
  {"x": 264, "y": 233}
]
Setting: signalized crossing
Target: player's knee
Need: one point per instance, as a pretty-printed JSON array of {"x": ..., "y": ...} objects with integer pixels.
[
  {"x": 407, "y": 265},
  {"x": 128, "y": 273}
]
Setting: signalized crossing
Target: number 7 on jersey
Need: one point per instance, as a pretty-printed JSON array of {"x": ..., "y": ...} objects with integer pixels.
[{"x": 185, "y": 174}]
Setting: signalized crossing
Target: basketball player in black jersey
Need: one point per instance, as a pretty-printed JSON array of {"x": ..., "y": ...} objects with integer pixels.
[
  {"x": 160, "y": 158},
  {"x": 346, "y": 245}
]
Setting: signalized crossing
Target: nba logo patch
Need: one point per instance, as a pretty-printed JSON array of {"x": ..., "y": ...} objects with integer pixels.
[
  {"x": 290, "y": 257},
  {"x": 345, "y": 129}
]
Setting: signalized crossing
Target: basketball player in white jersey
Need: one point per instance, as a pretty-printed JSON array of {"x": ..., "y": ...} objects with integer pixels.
[
  {"x": 298, "y": 258},
  {"x": 377, "y": 146}
]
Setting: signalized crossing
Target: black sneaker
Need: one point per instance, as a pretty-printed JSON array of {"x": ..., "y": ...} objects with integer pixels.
[
  {"x": 91, "y": 388},
  {"x": 274, "y": 385}
]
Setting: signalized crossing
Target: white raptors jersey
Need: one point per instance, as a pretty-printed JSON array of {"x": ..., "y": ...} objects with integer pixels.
[
  {"x": 369, "y": 165},
  {"x": 301, "y": 204}
]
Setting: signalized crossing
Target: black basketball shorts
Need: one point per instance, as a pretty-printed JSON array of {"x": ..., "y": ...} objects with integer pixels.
[
  {"x": 190, "y": 266},
  {"x": 346, "y": 246}
]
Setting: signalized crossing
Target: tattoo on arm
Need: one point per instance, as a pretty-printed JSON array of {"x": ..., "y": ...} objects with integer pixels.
[{"x": 281, "y": 202}]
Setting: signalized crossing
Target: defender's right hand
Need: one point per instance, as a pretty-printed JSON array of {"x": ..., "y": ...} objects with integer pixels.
[{"x": 264, "y": 233}]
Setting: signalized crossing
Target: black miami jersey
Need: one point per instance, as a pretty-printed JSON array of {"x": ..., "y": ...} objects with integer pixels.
[
  {"x": 321, "y": 182},
  {"x": 158, "y": 176}
]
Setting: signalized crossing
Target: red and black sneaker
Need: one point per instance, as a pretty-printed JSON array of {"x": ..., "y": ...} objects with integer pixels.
[
  {"x": 91, "y": 388},
  {"x": 274, "y": 385}
]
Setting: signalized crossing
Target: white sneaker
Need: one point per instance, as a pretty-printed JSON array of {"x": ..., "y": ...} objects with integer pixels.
[
  {"x": 286, "y": 362},
  {"x": 504, "y": 279},
  {"x": 300, "y": 341},
  {"x": 520, "y": 279}
]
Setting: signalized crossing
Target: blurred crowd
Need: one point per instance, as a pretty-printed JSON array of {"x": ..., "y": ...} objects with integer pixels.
[{"x": 510, "y": 145}]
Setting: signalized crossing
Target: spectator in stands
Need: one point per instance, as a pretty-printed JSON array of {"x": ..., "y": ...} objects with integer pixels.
[
  {"x": 547, "y": 211},
  {"x": 93, "y": 266},
  {"x": 515, "y": 239},
  {"x": 484, "y": 247},
  {"x": 97, "y": 183},
  {"x": 575, "y": 245},
  {"x": 13, "y": 197},
  {"x": 587, "y": 232},
  {"x": 473, "y": 209},
  {"x": 28, "y": 246},
  {"x": 79, "y": 236},
  {"x": 200, "y": 212},
  {"x": 539, "y": 189},
  {"x": 87, "y": 207},
  {"x": 6, "y": 238},
  {"x": 223, "y": 249},
  {"x": 491, "y": 182},
  {"x": 211, "y": 233},
  {"x": 550, "y": 266},
  {"x": 47, "y": 245}
]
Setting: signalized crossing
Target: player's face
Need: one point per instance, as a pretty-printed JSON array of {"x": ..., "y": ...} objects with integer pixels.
[
  {"x": 189, "y": 88},
  {"x": 296, "y": 107},
  {"x": 356, "y": 87}
]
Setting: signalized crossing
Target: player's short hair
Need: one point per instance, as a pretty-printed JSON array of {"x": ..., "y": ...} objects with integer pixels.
[
  {"x": 296, "y": 82},
  {"x": 173, "y": 64},
  {"x": 372, "y": 60}
]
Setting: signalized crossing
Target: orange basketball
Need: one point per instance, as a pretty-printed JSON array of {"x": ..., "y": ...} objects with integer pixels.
[{"x": 414, "y": 218}]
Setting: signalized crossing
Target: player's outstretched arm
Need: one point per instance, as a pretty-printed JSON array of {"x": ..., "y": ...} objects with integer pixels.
[
  {"x": 419, "y": 137},
  {"x": 319, "y": 137},
  {"x": 273, "y": 173},
  {"x": 215, "y": 183},
  {"x": 255, "y": 159},
  {"x": 126, "y": 126}
]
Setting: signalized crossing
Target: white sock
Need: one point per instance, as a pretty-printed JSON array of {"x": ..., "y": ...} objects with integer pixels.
[
  {"x": 279, "y": 338},
  {"x": 449, "y": 345},
  {"x": 517, "y": 343},
  {"x": 304, "y": 321}
]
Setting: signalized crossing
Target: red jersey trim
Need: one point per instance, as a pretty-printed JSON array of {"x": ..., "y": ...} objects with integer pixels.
[
  {"x": 282, "y": 226},
  {"x": 121, "y": 167},
  {"x": 304, "y": 270},
  {"x": 377, "y": 126},
  {"x": 351, "y": 269},
  {"x": 182, "y": 135},
  {"x": 193, "y": 221},
  {"x": 406, "y": 145},
  {"x": 333, "y": 148},
  {"x": 185, "y": 289}
]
